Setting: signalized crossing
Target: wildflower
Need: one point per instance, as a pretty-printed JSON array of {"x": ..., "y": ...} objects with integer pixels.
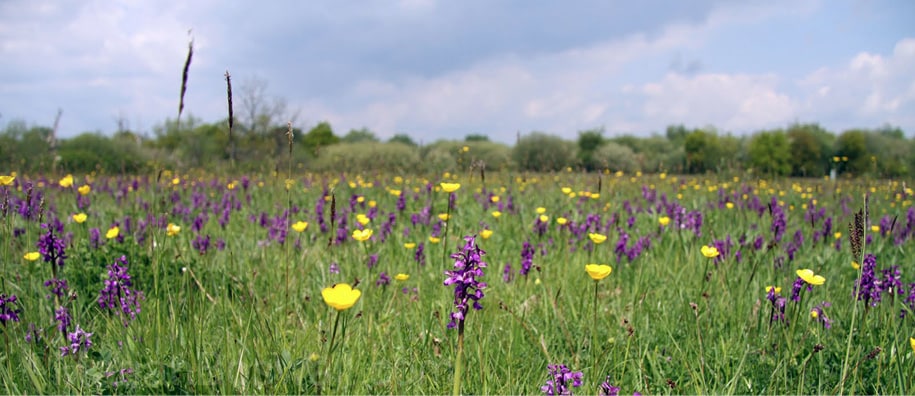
[
  {"x": 664, "y": 221},
  {"x": 79, "y": 341},
  {"x": 544, "y": 218},
  {"x": 172, "y": 229},
  {"x": 58, "y": 287},
  {"x": 875, "y": 228},
  {"x": 566, "y": 190},
  {"x": 855, "y": 265},
  {"x": 811, "y": 278},
  {"x": 468, "y": 266},
  {"x": 66, "y": 182},
  {"x": 598, "y": 271},
  {"x": 51, "y": 247},
  {"x": 710, "y": 251},
  {"x": 362, "y": 235},
  {"x": 118, "y": 294},
  {"x": 486, "y": 233},
  {"x": 496, "y": 214},
  {"x": 819, "y": 315},
  {"x": 7, "y": 310},
  {"x": 912, "y": 343},
  {"x": 300, "y": 226},
  {"x": 444, "y": 216},
  {"x": 333, "y": 268},
  {"x": 201, "y": 243},
  {"x": 561, "y": 380},
  {"x": 63, "y": 318},
  {"x": 434, "y": 240},
  {"x": 32, "y": 256},
  {"x": 541, "y": 210},
  {"x": 527, "y": 258},
  {"x": 597, "y": 238},
  {"x": 362, "y": 219},
  {"x": 608, "y": 390},
  {"x": 7, "y": 180},
  {"x": 561, "y": 220},
  {"x": 402, "y": 277},
  {"x": 494, "y": 199},
  {"x": 113, "y": 232},
  {"x": 383, "y": 279},
  {"x": 450, "y": 187},
  {"x": 340, "y": 296},
  {"x": 420, "y": 256},
  {"x": 84, "y": 189},
  {"x": 770, "y": 289},
  {"x": 409, "y": 245},
  {"x": 79, "y": 217}
]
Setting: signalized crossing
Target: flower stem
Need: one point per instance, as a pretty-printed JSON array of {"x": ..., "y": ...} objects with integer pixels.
[
  {"x": 459, "y": 360},
  {"x": 594, "y": 329}
]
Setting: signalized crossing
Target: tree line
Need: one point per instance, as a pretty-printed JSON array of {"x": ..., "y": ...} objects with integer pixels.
[{"x": 800, "y": 150}]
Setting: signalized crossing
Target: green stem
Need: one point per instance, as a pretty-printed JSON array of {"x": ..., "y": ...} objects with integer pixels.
[
  {"x": 594, "y": 329},
  {"x": 458, "y": 360}
]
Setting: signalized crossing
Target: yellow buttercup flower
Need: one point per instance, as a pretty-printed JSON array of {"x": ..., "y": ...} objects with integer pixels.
[
  {"x": 7, "y": 180},
  {"x": 444, "y": 216},
  {"x": 664, "y": 221},
  {"x": 433, "y": 239},
  {"x": 541, "y": 210},
  {"x": 776, "y": 288},
  {"x": 32, "y": 256},
  {"x": 494, "y": 199},
  {"x": 562, "y": 220},
  {"x": 875, "y": 228},
  {"x": 544, "y": 218},
  {"x": 837, "y": 235},
  {"x": 300, "y": 226},
  {"x": 595, "y": 195},
  {"x": 486, "y": 234},
  {"x": 84, "y": 189},
  {"x": 66, "y": 182},
  {"x": 362, "y": 235},
  {"x": 172, "y": 229},
  {"x": 597, "y": 238},
  {"x": 496, "y": 214},
  {"x": 710, "y": 251},
  {"x": 814, "y": 314},
  {"x": 450, "y": 187},
  {"x": 340, "y": 296},
  {"x": 811, "y": 278},
  {"x": 409, "y": 245},
  {"x": 566, "y": 190},
  {"x": 855, "y": 265},
  {"x": 598, "y": 271},
  {"x": 912, "y": 343},
  {"x": 394, "y": 192},
  {"x": 79, "y": 217},
  {"x": 729, "y": 205},
  {"x": 113, "y": 232},
  {"x": 362, "y": 219},
  {"x": 402, "y": 277}
]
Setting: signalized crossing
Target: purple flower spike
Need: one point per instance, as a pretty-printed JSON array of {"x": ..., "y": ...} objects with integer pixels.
[
  {"x": 468, "y": 266},
  {"x": 561, "y": 381}
]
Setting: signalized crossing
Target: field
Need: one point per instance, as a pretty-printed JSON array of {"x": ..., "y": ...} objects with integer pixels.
[{"x": 197, "y": 283}]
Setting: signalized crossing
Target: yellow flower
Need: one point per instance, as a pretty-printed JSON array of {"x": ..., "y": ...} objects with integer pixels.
[
  {"x": 172, "y": 229},
  {"x": 444, "y": 216},
  {"x": 372, "y": 203},
  {"x": 79, "y": 217},
  {"x": 409, "y": 245},
  {"x": 710, "y": 251},
  {"x": 875, "y": 228},
  {"x": 562, "y": 220},
  {"x": 360, "y": 199},
  {"x": 32, "y": 256},
  {"x": 837, "y": 235},
  {"x": 595, "y": 196},
  {"x": 494, "y": 199},
  {"x": 541, "y": 210},
  {"x": 362, "y": 235},
  {"x": 566, "y": 190},
  {"x": 814, "y": 314},
  {"x": 84, "y": 189},
  {"x": 496, "y": 214},
  {"x": 598, "y": 271},
  {"x": 811, "y": 278},
  {"x": 729, "y": 205},
  {"x": 450, "y": 187},
  {"x": 231, "y": 185},
  {"x": 433, "y": 239},
  {"x": 362, "y": 219},
  {"x": 340, "y": 296},
  {"x": 544, "y": 218},
  {"x": 113, "y": 232},
  {"x": 300, "y": 226},
  {"x": 776, "y": 288},
  {"x": 402, "y": 277},
  {"x": 7, "y": 180},
  {"x": 663, "y": 221},
  {"x": 912, "y": 343},
  {"x": 176, "y": 181},
  {"x": 66, "y": 182},
  {"x": 465, "y": 149},
  {"x": 855, "y": 265},
  {"x": 597, "y": 238},
  {"x": 486, "y": 234},
  {"x": 394, "y": 192}
]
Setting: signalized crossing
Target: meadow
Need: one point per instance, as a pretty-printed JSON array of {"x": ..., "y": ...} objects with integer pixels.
[{"x": 347, "y": 284}]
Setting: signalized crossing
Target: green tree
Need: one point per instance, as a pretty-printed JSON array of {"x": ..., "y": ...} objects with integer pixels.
[
  {"x": 811, "y": 150},
  {"x": 770, "y": 153},
  {"x": 322, "y": 135},
  {"x": 588, "y": 143},
  {"x": 702, "y": 151},
  {"x": 542, "y": 153},
  {"x": 476, "y": 137},
  {"x": 852, "y": 144},
  {"x": 359, "y": 135},
  {"x": 402, "y": 138}
]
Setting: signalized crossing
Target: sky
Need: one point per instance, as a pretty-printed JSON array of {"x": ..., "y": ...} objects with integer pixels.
[{"x": 445, "y": 69}]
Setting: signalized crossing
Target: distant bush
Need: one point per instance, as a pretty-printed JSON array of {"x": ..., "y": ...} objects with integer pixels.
[
  {"x": 93, "y": 152},
  {"x": 616, "y": 157},
  {"x": 542, "y": 153},
  {"x": 450, "y": 156},
  {"x": 367, "y": 157}
]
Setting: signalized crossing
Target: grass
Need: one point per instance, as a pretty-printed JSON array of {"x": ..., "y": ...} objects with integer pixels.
[{"x": 667, "y": 321}]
